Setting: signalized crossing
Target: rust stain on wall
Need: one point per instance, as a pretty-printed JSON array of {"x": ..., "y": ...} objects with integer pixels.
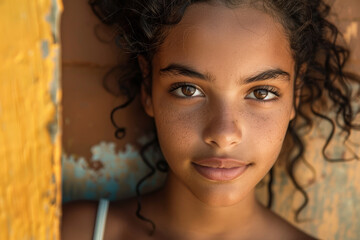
[{"x": 30, "y": 195}]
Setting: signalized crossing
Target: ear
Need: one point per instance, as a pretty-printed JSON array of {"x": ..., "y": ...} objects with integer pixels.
[
  {"x": 146, "y": 101},
  {"x": 144, "y": 66},
  {"x": 146, "y": 98}
]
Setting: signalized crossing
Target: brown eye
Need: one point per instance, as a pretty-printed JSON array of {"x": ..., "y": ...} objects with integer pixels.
[
  {"x": 261, "y": 93},
  {"x": 264, "y": 94},
  {"x": 188, "y": 90},
  {"x": 184, "y": 90}
]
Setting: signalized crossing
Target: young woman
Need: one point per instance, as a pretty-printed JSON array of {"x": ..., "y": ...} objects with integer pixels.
[{"x": 227, "y": 84}]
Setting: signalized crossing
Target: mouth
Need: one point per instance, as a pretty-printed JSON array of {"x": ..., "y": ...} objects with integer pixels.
[{"x": 220, "y": 169}]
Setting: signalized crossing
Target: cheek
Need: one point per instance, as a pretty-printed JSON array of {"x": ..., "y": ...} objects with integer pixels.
[
  {"x": 266, "y": 132},
  {"x": 177, "y": 130}
]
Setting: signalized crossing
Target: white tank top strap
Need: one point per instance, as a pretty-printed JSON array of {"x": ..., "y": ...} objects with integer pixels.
[{"x": 101, "y": 219}]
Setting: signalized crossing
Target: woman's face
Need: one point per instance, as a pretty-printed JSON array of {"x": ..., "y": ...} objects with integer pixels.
[{"x": 222, "y": 99}]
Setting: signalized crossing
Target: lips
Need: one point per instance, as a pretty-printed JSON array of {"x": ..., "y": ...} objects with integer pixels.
[
  {"x": 220, "y": 169},
  {"x": 220, "y": 163}
]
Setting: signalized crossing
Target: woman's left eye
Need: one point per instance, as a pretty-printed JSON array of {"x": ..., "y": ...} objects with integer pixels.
[
  {"x": 264, "y": 94},
  {"x": 185, "y": 91}
]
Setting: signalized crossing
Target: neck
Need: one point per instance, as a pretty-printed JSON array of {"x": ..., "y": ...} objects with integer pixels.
[{"x": 182, "y": 212}]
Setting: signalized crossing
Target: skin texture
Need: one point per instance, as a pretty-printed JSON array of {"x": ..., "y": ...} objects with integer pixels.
[{"x": 223, "y": 118}]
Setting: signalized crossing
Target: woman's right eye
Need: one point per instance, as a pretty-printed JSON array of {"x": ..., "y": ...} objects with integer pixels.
[{"x": 186, "y": 91}]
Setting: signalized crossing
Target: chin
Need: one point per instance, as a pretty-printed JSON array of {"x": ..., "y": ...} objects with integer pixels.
[{"x": 221, "y": 196}]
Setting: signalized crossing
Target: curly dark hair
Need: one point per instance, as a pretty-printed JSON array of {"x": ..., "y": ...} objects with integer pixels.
[{"x": 320, "y": 57}]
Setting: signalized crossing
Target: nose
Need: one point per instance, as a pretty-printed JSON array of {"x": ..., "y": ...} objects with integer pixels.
[{"x": 223, "y": 130}]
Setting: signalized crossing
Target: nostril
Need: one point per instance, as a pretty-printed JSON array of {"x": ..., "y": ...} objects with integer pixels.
[
  {"x": 222, "y": 143},
  {"x": 222, "y": 133},
  {"x": 214, "y": 143}
]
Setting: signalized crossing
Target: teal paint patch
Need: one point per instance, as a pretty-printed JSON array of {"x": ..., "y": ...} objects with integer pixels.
[
  {"x": 116, "y": 179},
  {"x": 54, "y": 89},
  {"x": 54, "y": 19},
  {"x": 81, "y": 173},
  {"x": 44, "y": 48}
]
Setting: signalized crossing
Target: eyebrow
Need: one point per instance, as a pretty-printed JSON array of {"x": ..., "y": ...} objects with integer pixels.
[{"x": 183, "y": 70}]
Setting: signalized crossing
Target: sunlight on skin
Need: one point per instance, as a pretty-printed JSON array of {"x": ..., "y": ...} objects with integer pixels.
[{"x": 220, "y": 118}]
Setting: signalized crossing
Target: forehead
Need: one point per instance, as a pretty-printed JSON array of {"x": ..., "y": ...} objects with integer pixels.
[{"x": 211, "y": 37}]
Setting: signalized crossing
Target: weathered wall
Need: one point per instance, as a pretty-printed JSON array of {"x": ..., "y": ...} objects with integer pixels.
[
  {"x": 98, "y": 165},
  {"x": 95, "y": 163},
  {"x": 333, "y": 211},
  {"x": 30, "y": 194}
]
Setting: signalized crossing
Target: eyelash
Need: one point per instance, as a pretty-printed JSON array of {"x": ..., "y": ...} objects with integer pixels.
[
  {"x": 270, "y": 89},
  {"x": 178, "y": 85}
]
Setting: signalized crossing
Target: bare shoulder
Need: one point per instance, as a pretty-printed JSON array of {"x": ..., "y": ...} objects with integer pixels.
[
  {"x": 122, "y": 222},
  {"x": 119, "y": 219},
  {"x": 78, "y": 219},
  {"x": 282, "y": 229}
]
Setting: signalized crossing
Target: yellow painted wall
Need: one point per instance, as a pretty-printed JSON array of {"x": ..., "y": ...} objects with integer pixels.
[{"x": 30, "y": 174}]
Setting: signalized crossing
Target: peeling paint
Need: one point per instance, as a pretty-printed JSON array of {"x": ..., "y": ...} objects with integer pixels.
[
  {"x": 45, "y": 48},
  {"x": 30, "y": 196},
  {"x": 116, "y": 179}
]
